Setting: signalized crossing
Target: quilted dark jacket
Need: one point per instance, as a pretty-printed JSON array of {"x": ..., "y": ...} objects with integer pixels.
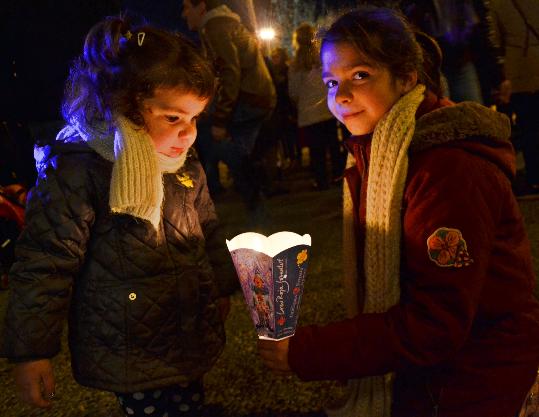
[{"x": 141, "y": 306}]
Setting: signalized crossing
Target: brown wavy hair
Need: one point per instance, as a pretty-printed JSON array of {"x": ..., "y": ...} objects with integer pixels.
[
  {"x": 123, "y": 64},
  {"x": 383, "y": 37}
]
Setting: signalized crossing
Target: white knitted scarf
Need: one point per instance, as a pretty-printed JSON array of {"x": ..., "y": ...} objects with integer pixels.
[
  {"x": 388, "y": 168},
  {"x": 136, "y": 185}
]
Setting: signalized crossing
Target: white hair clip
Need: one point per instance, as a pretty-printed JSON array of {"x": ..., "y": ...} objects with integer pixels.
[{"x": 140, "y": 38}]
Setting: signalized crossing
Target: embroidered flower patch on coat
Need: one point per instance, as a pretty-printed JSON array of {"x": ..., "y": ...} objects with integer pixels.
[{"x": 447, "y": 247}]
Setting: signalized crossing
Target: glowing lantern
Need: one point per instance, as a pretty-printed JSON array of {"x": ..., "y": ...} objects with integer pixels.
[{"x": 272, "y": 274}]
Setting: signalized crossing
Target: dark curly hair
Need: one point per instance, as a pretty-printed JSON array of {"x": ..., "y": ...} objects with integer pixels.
[
  {"x": 123, "y": 64},
  {"x": 384, "y": 37}
]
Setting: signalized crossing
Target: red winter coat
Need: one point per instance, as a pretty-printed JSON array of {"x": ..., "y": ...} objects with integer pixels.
[{"x": 462, "y": 340}]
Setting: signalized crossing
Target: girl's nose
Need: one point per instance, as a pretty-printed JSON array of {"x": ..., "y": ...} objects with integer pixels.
[
  {"x": 188, "y": 134},
  {"x": 188, "y": 131},
  {"x": 343, "y": 94}
]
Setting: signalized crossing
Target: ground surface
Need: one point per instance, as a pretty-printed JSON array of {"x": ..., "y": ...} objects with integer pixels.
[{"x": 239, "y": 385}]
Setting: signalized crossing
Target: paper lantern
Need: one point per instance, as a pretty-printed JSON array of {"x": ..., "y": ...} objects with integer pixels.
[{"x": 272, "y": 273}]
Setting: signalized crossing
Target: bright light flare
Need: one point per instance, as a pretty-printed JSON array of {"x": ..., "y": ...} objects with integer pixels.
[{"x": 266, "y": 34}]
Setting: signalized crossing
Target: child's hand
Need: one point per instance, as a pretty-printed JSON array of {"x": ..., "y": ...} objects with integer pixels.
[
  {"x": 274, "y": 354},
  {"x": 35, "y": 382}
]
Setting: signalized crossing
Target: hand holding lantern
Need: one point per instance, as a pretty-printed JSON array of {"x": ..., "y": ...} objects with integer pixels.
[{"x": 274, "y": 354}]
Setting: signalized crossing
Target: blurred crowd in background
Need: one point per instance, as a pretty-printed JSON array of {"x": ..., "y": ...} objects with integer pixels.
[{"x": 490, "y": 55}]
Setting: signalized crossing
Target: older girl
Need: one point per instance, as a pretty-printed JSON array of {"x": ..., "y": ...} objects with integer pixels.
[{"x": 442, "y": 316}]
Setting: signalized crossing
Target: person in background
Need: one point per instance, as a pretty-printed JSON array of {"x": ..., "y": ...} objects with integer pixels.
[
  {"x": 438, "y": 274},
  {"x": 121, "y": 236},
  {"x": 516, "y": 31},
  {"x": 488, "y": 57},
  {"x": 470, "y": 64},
  {"x": 275, "y": 143},
  {"x": 245, "y": 98},
  {"x": 317, "y": 126},
  {"x": 284, "y": 117}
]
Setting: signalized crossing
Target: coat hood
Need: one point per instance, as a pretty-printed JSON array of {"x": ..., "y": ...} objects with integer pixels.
[
  {"x": 44, "y": 153},
  {"x": 221, "y": 11},
  {"x": 469, "y": 126}
]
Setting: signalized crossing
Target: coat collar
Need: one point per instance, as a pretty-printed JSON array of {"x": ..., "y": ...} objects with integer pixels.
[{"x": 470, "y": 126}]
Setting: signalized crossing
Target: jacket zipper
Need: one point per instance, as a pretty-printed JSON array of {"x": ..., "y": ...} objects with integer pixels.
[{"x": 435, "y": 402}]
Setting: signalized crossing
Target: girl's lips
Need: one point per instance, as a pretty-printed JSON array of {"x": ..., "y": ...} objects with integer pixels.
[
  {"x": 176, "y": 152},
  {"x": 349, "y": 115}
]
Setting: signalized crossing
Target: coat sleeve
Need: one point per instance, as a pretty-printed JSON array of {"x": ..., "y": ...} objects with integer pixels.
[
  {"x": 220, "y": 260},
  {"x": 487, "y": 43},
  {"x": 49, "y": 254},
  {"x": 219, "y": 39},
  {"x": 437, "y": 306},
  {"x": 497, "y": 30}
]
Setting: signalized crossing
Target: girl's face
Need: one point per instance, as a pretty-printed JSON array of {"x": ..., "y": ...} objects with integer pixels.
[
  {"x": 170, "y": 117},
  {"x": 359, "y": 94}
]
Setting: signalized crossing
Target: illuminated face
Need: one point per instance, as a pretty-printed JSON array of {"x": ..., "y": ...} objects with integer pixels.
[
  {"x": 193, "y": 14},
  {"x": 170, "y": 117},
  {"x": 359, "y": 94}
]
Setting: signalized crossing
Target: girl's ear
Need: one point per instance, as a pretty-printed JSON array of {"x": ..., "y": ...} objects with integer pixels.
[{"x": 408, "y": 82}]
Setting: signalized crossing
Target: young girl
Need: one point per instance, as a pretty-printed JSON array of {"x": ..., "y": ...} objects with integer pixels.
[
  {"x": 120, "y": 230},
  {"x": 442, "y": 316}
]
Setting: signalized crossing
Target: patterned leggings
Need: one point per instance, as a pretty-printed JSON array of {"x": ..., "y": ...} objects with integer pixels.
[{"x": 184, "y": 400}]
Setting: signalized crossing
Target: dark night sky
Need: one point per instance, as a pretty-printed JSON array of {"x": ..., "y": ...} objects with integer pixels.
[{"x": 43, "y": 37}]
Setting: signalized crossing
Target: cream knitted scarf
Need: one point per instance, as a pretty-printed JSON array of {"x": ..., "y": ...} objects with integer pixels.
[
  {"x": 136, "y": 185},
  {"x": 388, "y": 168}
]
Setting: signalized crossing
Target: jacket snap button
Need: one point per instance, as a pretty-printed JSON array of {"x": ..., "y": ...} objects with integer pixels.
[{"x": 132, "y": 296}]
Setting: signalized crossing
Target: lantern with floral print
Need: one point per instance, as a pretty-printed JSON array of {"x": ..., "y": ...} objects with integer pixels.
[{"x": 272, "y": 273}]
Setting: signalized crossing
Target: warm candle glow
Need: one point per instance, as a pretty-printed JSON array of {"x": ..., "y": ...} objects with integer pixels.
[{"x": 257, "y": 244}]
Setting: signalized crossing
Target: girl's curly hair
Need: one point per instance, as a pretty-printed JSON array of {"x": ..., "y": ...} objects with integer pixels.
[{"x": 122, "y": 64}]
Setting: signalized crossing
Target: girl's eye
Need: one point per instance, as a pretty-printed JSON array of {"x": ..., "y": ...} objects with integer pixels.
[
  {"x": 331, "y": 84},
  {"x": 361, "y": 75},
  {"x": 172, "y": 119}
]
